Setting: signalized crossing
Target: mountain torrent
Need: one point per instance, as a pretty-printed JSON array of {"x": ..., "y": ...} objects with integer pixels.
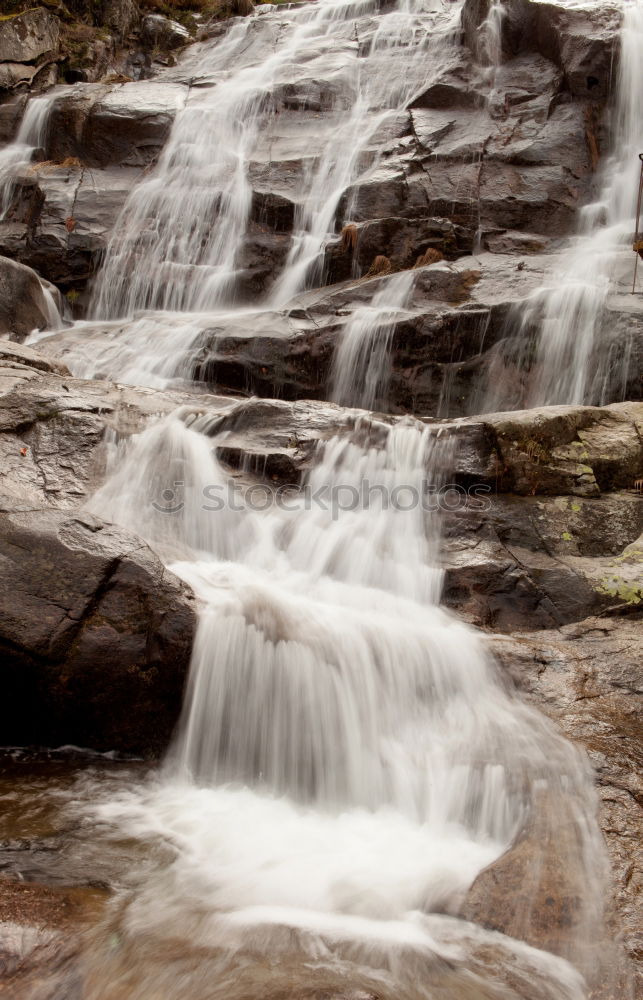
[{"x": 321, "y": 512}]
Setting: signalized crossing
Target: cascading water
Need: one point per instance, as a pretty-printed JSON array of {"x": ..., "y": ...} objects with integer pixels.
[
  {"x": 362, "y": 364},
  {"x": 177, "y": 248},
  {"x": 181, "y": 232},
  {"x": 563, "y": 331},
  {"x": 31, "y": 136},
  {"x": 348, "y": 760},
  {"x": 489, "y": 50}
]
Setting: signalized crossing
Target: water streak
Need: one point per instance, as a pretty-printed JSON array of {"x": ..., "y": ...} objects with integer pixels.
[
  {"x": 332, "y": 704},
  {"x": 563, "y": 336},
  {"x": 180, "y": 239},
  {"x": 362, "y": 363},
  {"x": 18, "y": 154}
]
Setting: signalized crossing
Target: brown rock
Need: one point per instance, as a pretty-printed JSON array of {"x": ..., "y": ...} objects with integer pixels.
[
  {"x": 95, "y": 635},
  {"x": 23, "y": 304}
]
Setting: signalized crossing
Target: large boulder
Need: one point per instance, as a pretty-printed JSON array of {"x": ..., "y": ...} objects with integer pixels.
[
  {"x": 582, "y": 39},
  {"x": 161, "y": 32},
  {"x": 95, "y": 634},
  {"x": 103, "y": 124},
  {"x": 27, "y": 37},
  {"x": 26, "y": 304}
]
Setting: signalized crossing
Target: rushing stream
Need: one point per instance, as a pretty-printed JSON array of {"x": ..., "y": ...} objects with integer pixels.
[
  {"x": 559, "y": 333},
  {"x": 348, "y": 758}
]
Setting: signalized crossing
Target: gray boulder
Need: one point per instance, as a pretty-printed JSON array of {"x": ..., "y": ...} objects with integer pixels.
[
  {"x": 160, "y": 32},
  {"x": 29, "y": 36},
  {"x": 95, "y": 635},
  {"x": 25, "y": 303},
  {"x": 582, "y": 39}
]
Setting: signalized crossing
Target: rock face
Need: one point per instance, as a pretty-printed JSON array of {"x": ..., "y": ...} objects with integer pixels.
[
  {"x": 473, "y": 190},
  {"x": 460, "y": 319},
  {"x": 29, "y": 36},
  {"x": 588, "y": 678},
  {"x": 160, "y": 31},
  {"x": 95, "y": 636},
  {"x": 26, "y": 304},
  {"x": 457, "y": 170},
  {"x": 578, "y": 39}
]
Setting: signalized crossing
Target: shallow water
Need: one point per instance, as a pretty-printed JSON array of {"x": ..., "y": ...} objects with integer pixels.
[{"x": 153, "y": 922}]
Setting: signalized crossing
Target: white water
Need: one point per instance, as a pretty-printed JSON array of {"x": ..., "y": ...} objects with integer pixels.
[
  {"x": 17, "y": 155},
  {"x": 362, "y": 363},
  {"x": 570, "y": 313},
  {"x": 348, "y": 759},
  {"x": 166, "y": 252},
  {"x": 489, "y": 48}
]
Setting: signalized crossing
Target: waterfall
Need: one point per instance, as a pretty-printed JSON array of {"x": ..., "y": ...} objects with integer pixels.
[
  {"x": 348, "y": 758},
  {"x": 489, "y": 47},
  {"x": 17, "y": 154},
  {"x": 562, "y": 331},
  {"x": 178, "y": 241},
  {"x": 362, "y": 363}
]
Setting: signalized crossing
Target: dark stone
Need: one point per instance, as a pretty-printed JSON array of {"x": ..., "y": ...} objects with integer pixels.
[
  {"x": 23, "y": 306},
  {"x": 95, "y": 635},
  {"x": 581, "y": 40}
]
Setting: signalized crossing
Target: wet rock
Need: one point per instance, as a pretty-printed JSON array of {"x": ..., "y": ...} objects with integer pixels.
[
  {"x": 24, "y": 305},
  {"x": 61, "y": 217},
  {"x": 453, "y": 88},
  {"x": 581, "y": 39},
  {"x": 271, "y": 360},
  {"x": 274, "y": 438},
  {"x": 263, "y": 252},
  {"x": 26, "y": 37},
  {"x": 11, "y": 112},
  {"x": 403, "y": 241},
  {"x": 125, "y": 124},
  {"x": 161, "y": 32},
  {"x": 588, "y": 678},
  {"x": 532, "y": 894},
  {"x": 96, "y": 650},
  {"x": 272, "y": 210}
]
